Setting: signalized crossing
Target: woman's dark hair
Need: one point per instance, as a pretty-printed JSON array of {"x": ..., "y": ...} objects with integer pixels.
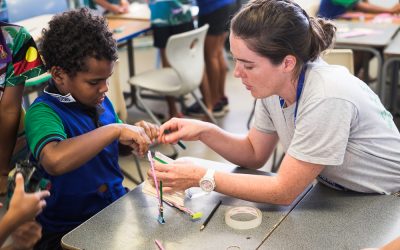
[
  {"x": 74, "y": 36},
  {"x": 277, "y": 28}
]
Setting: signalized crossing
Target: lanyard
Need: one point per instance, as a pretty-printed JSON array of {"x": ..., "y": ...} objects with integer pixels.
[{"x": 299, "y": 90}]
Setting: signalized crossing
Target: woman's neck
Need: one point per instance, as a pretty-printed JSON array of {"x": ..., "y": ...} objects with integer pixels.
[{"x": 289, "y": 91}]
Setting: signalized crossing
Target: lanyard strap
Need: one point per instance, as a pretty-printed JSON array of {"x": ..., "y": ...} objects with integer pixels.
[
  {"x": 299, "y": 90},
  {"x": 300, "y": 86}
]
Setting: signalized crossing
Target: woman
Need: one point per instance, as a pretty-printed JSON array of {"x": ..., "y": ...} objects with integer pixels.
[{"x": 332, "y": 126}]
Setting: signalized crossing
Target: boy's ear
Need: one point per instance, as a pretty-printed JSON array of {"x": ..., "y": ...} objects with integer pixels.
[{"x": 58, "y": 74}]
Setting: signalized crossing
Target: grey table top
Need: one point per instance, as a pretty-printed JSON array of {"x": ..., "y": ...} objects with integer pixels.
[
  {"x": 393, "y": 49},
  {"x": 130, "y": 223},
  {"x": 329, "y": 219},
  {"x": 380, "y": 37}
]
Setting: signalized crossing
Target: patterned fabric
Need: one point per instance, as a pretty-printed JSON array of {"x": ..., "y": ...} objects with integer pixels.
[
  {"x": 19, "y": 61},
  {"x": 169, "y": 12}
]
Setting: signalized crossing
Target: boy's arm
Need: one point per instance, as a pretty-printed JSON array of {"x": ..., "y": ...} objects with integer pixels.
[
  {"x": 7, "y": 226},
  {"x": 59, "y": 154}
]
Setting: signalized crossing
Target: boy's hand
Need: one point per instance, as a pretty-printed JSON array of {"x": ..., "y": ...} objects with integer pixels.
[
  {"x": 150, "y": 129},
  {"x": 135, "y": 137},
  {"x": 25, "y": 206},
  {"x": 26, "y": 236}
]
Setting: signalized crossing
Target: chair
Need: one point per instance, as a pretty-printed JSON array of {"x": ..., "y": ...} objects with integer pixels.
[
  {"x": 185, "y": 53},
  {"x": 342, "y": 57}
]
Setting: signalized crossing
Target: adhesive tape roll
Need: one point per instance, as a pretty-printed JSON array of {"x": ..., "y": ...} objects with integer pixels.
[{"x": 243, "y": 217}]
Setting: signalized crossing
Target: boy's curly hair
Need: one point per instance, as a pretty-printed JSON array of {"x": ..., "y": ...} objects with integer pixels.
[{"x": 74, "y": 36}]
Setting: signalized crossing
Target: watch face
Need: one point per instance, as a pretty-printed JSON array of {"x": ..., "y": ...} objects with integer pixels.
[{"x": 207, "y": 185}]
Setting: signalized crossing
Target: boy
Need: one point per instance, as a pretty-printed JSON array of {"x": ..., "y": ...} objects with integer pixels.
[{"x": 73, "y": 130}]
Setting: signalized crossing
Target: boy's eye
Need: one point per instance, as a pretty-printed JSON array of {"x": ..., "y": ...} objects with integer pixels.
[{"x": 93, "y": 82}]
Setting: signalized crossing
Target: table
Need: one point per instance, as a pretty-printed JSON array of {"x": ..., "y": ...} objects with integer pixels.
[
  {"x": 392, "y": 53},
  {"x": 130, "y": 222},
  {"x": 330, "y": 219},
  {"x": 380, "y": 35},
  {"x": 35, "y": 25}
]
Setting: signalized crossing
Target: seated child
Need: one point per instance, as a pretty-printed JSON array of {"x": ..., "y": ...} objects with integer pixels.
[
  {"x": 73, "y": 130},
  {"x": 113, "y": 6}
]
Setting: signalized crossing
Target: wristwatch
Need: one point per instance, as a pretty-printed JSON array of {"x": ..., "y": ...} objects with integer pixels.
[{"x": 207, "y": 183}]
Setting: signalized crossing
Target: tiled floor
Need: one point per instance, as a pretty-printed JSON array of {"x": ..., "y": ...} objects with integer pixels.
[{"x": 235, "y": 120}]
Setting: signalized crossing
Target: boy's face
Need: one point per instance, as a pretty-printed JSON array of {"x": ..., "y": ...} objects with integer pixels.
[{"x": 89, "y": 88}]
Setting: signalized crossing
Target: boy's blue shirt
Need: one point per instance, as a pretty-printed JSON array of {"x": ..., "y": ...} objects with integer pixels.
[{"x": 78, "y": 195}]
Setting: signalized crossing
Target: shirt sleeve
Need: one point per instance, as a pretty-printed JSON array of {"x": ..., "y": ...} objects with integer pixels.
[
  {"x": 322, "y": 131},
  {"x": 43, "y": 125},
  {"x": 262, "y": 117},
  {"x": 26, "y": 62}
]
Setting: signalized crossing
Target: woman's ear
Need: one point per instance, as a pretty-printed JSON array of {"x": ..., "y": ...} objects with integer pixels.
[
  {"x": 289, "y": 63},
  {"x": 58, "y": 74}
]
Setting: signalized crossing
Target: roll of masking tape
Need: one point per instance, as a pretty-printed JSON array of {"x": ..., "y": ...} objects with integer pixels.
[{"x": 243, "y": 218}]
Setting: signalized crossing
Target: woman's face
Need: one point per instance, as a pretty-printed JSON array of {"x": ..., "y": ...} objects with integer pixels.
[{"x": 258, "y": 74}]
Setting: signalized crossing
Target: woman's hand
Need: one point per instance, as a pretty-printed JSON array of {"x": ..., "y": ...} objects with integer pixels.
[
  {"x": 185, "y": 129},
  {"x": 177, "y": 176}
]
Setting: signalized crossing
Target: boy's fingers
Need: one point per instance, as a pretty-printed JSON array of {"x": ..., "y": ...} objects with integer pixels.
[
  {"x": 43, "y": 194},
  {"x": 19, "y": 183}
]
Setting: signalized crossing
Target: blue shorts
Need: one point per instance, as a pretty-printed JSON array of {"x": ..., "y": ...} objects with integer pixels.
[
  {"x": 219, "y": 20},
  {"x": 161, "y": 34}
]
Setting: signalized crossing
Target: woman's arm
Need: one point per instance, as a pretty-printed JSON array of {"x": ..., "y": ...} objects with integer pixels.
[
  {"x": 251, "y": 150},
  {"x": 292, "y": 179}
]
